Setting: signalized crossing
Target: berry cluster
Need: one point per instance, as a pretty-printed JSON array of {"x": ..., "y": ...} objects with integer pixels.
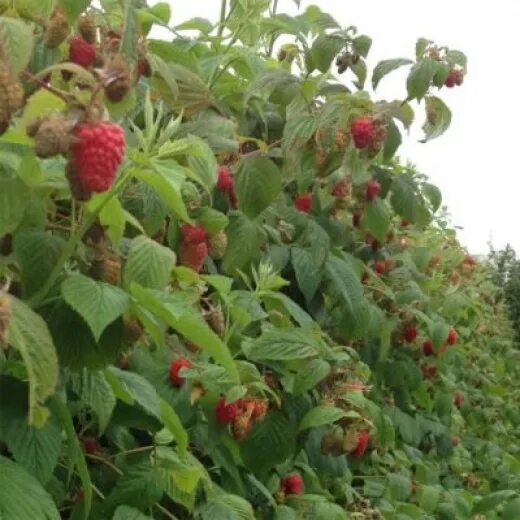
[
  {"x": 194, "y": 247},
  {"x": 241, "y": 414}
]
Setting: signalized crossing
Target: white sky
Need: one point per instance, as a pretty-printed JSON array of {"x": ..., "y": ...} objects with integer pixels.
[{"x": 472, "y": 163}]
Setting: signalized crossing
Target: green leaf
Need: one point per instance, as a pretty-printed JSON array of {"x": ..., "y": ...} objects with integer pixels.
[
  {"x": 492, "y": 501},
  {"x": 196, "y": 24},
  {"x": 361, "y": 45},
  {"x": 438, "y": 118},
  {"x": 181, "y": 317},
  {"x": 511, "y": 510},
  {"x": 14, "y": 197},
  {"x": 167, "y": 180},
  {"x": 270, "y": 442},
  {"x": 321, "y": 415},
  {"x": 204, "y": 165},
  {"x": 28, "y": 334},
  {"x": 40, "y": 104},
  {"x": 298, "y": 130},
  {"x": 376, "y": 219},
  {"x": 258, "y": 182},
  {"x": 211, "y": 220},
  {"x": 457, "y": 58},
  {"x": 344, "y": 278},
  {"x": 173, "y": 423},
  {"x": 37, "y": 253},
  {"x": 232, "y": 507},
  {"x": 98, "y": 303},
  {"x": 16, "y": 41},
  {"x": 112, "y": 217},
  {"x": 420, "y": 46},
  {"x": 438, "y": 332},
  {"x": 385, "y": 67},
  {"x": 408, "y": 202},
  {"x": 73, "y": 8},
  {"x": 329, "y": 511},
  {"x": 324, "y": 49},
  {"x": 149, "y": 264},
  {"x": 129, "y": 513},
  {"x": 244, "y": 241},
  {"x": 420, "y": 78},
  {"x": 282, "y": 345},
  {"x": 429, "y": 497},
  {"x": 130, "y": 32},
  {"x": 399, "y": 486},
  {"x": 22, "y": 496},
  {"x": 310, "y": 374},
  {"x": 393, "y": 141},
  {"x": 94, "y": 391},
  {"x": 36, "y": 449},
  {"x": 308, "y": 271},
  {"x": 433, "y": 194}
]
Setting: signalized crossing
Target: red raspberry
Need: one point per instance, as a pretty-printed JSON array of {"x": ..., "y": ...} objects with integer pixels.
[
  {"x": 193, "y": 234},
  {"x": 341, "y": 189},
  {"x": 303, "y": 203},
  {"x": 356, "y": 219},
  {"x": 455, "y": 77},
  {"x": 193, "y": 255},
  {"x": 81, "y": 52},
  {"x": 175, "y": 367},
  {"x": 97, "y": 151},
  {"x": 372, "y": 190},
  {"x": 362, "y": 129},
  {"x": 380, "y": 267},
  {"x": 427, "y": 348},
  {"x": 410, "y": 333},
  {"x": 452, "y": 337},
  {"x": 293, "y": 484},
  {"x": 458, "y": 399},
  {"x": 361, "y": 446},
  {"x": 225, "y": 182},
  {"x": 469, "y": 261},
  {"x": 226, "y": 413},
  {"x": 90, "y": 445}
]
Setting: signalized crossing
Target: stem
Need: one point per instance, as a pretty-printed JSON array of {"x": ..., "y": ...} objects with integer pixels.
[
  {"x": 165, "y": 512},
  {"x": 136, "y": 450},
  {"x": 105, "y": 462},
  {"x": 271, "y": 43},
  {"x": 223, "y": 7},
  {"x": 58, "y": 93},
  {"x": 73, "y": 242}
]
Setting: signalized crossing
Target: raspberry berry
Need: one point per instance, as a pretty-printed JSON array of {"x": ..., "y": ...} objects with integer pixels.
[
  {"x": 193, "y": 234},
  {"x": 455, "y": 77},
  {"x": 87, "y": 27},
  {"x": 427, "y": 348},
  {"x": 90, "y": 446},
  {"x": 361, "y": 446},
  {"x": 362, "y": 130},
  {"x": 11, "y": 96},
  {"x": 293, "y": 484},
  {"x": 116, "y": 78},
  {"x": 452, "y": 337},
  {"x": 372, "y": 190},
  {"x": 217, "y": 245},
  {"x": 57, "y": 29},
  {"x": 226, "y": 413},
  {"x": 226, "y": 183},
  {"x": 341, "y": 189},
  {"x": 193, "y": 255},
  {"x": 410, "y": 333},
  {"x": 380, "y": 267},
  {"x": 303, "y": 202},
  {"x": 97, "y": 151},
  {"x": 52, "y": 138},
  {"x": 175, "y": 367},
  {"x": 81, "y": 53},
  {"x": 458, "y": 399}
]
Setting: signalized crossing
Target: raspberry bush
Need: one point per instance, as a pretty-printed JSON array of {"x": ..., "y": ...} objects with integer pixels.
[{"x": 222, "y": 294}]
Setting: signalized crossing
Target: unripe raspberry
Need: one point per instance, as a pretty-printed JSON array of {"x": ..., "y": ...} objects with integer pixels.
[
  {"x": 410, "y": 333},
  {"x": 87, "y": 27},
  {"x": 97, "y": 150},
  {"x": 341, "y": 189},
  {"x": 341, "y": 138},
  {"x": 241, "y": 427},
  {"x": 193, "y": 234},
  {"x": 193, "y": 255},
  {"x": 452, "y": 337},
  {"x": 260, "y": 410},
  {"x": 217, "y": 245},
  {"x": 427, "y": 348},
  {"x": 116, "y": 78},
  {"x": 132, "y": 331},
  {"x": 52, "y": 138},
  {"x": 215, "y": 318},
  {"x": 11, "y": 96},
  {"x": 175, "y": 367},
  {"x": 292, "y": 485},
  {"x": 362, "y": 444},
  {"x": 76, "y": 188},
  {"x": 5, "y": 317},
  {"x": 362, "y": 130},
  {"x": 458, "y": 399},
  {"x": 303, "y": 203},
  {"x": 81, "y": 53},
  {"x": 372, "y": 190},
  {"x": 57, "y": 29}
]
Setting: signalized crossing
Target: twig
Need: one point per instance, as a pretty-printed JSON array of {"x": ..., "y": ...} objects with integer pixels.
[{"x": 165, "y": 512}]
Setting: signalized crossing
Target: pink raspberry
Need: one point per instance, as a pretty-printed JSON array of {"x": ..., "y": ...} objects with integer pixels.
[
  {"x": 193, "y": 234},
  {"x": 81, "y": 53},
  {"x": 293, "y": 484},
  {"x": 372, "y": 190},
  {"x": 362, "y": 129},
  {"x": 97, "y": 151},
  {"x": 175, "y": 367},
  {"x": 303, "y": 203},
  {"x": 226, "y": 413}
]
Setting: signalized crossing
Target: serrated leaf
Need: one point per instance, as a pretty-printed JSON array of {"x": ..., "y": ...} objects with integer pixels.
[
  {"x": 98, "y": 303},
  {"x": 308, "y": 271},
  {"x": 376, "y": 219},
  {"x": 14, "y": 197},
  {"x": 16, "y": 41},
  {"x": 511, "y": 510},
  {"x": 22, "y": 496},
  {"x": 384, "y": 67},
  {"x": 344, "y": 278},
  {"x": 28, "y": 334},
  {"x": 258, "y": 182},
  {"x": 319, "y": 416},
  {"x": 361, "y": 45},
  {"x": 149, "y": 264},
  {"x": 196, "y": 24},
  {"x": 438, "y": 118},
  {"x": 211, "y": 220},
  {"x": 324, "y": 49},
  {"x": 433, "y": 194},
  {"x": 393, "y": 141},
  {"x": 280, "y": 345},
  {"x": 420, "y": 78},
  {"x": 491, "y": 501},
  {"x": 312, "y": 372},
  {"x": 457, "y": 58},
  {"x": 204, "y": 165},
  {"x": 420, "y": 47},
  {"x": 408, "y": 202},
  {"x": 298, "y": 130},
  {"x": 73, "y": 8},
  {"x": 130, "y": 32}
]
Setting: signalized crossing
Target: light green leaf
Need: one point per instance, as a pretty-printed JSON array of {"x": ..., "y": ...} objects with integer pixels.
[
  {"x": 14, "y": 197},
  {"x": 28, "y": 334},
  {"x": 280, "y": 345},
  {"x": 324, "y": 49},
  {"x": 98, "y": 303},
  {"x": 16, "y": 40},
  {"x": 129, "y": 513},
  {"x": 385, "y": 67},
  {"x": 376, "y": 219},
  {"x": 73, "y": 8},
  {"x": 22, "y": 496},
  {"x": 130, "y": 32},
  {"x": 361, "y": 45},
  {"x": 511, "y": 510},
  {"x": 420, "y": 78},
  {"x": 211, "y": 220},
  {"x": 438, "y": 118},
  {"x": 149, "y": 264},
  {"x": 258, "y": 182},
  {"x": 492, "y": 501},
  {"x": 433, "y": 194},
  {"x": 344, "y": 278},
  {"x": 308, "y": 271},
  {"x": 319, "y": 416}
]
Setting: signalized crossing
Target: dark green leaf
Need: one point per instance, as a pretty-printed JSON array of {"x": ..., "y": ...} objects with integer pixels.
[{"x": 420, "y": 78}]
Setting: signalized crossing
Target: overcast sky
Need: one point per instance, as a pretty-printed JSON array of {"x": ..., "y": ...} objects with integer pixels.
[{"x": 473, "y": 163}]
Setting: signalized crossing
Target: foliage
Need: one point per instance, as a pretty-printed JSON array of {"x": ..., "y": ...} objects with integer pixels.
[{"x": 264, "y": 316}]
